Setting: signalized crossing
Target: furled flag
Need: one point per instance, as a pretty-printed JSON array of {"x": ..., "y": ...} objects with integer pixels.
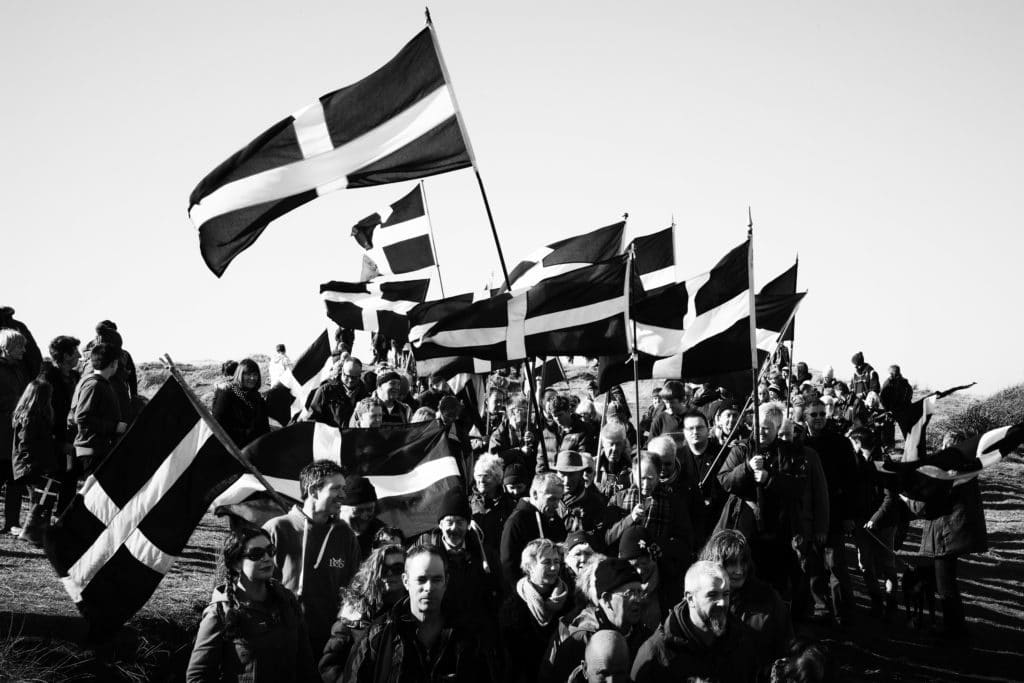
[
  {"x": 287, "y": 397},
  {"x": 134, "y": 515},
  {"x": 582, "y": 312},
  {"x": 567, "y": 255},
  {"x": 410, "y": 466},
  {"x": 398, "y": 123},
  {"x": 375, "y": 306}
]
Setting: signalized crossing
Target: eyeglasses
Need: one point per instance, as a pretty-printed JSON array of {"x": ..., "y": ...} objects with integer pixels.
[
  {"x": 633, "y": 594},
  {"x": 815, "y": 414},
  {"x": 256, "y": 554},
  {"x": 351, "y": 376}
]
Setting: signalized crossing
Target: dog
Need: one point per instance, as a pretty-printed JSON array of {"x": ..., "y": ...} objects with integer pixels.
[{"x": 918, "y": 584}]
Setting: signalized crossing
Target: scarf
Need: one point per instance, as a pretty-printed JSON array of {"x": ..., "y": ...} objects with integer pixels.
[
  {"x": 543, "y": 609},
  {"x": 244, "y": 395}
]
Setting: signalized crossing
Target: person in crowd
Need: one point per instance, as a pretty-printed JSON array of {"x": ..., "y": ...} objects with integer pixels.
[
  {"x": 387, "y": 535},
  {"x": 582, "y": 508},
  {"x": 842, "y": 477},
  {"x": 636, "y": 548},
  {"x": 97, "y": 413},
  {"x": 673, "y": 396},
  {"x": 726, "y": 418},
  {"x": 335, "y": 400},
  {"x": 828, "y": 377},
  {"x": 667, "y": 521},
  {"x": 650, "y": 413},
  {"x": 62, "y": 376},
  {"x": 12, "y": 385},
  {"x": 405, "y": 392},
  {"x": 416, "y": 641},
  {"x": 618, "y": 415},
  {"x": 576, "y": 550},
  {"x": 606, "y": 660},
  {"x": 802, "y": 374},
  {"x": 359, "y": 511},
  {"x": 699, "y": 639},
  {"x": 423, "y": 415},
  {"x": 700, "y": 450},
  {"x": 806, "y": 662},
  {"x": 876, "y": 516},
  {"x": 494, "y": 409},
  {"x": 473, "y": 580},
  {"x": 375, "y": 589},
  {"x": 368, "y": 413},
  {"x": 751, "y": 600},
  {"x": 279, "y": 364},
  {"x": 864, "y": 378},
  {"x": 37, "y": 464},
  {"x": 437, "y": 389},
  {"x": 32, "y": 358},
  {"x": 779, "y": 501},
  {"x": 562, "y": 423},
  {"x": 227, "y": 373},
  {"x": 675, "y": 477},
  {"x": 125, "y": 380},
  {"x": 512, "y": 438},
  {"x": 533, "y": 517},
  {"x": 389, "y": 388},
  {"x": 253, "y": 629},
  {"x": 516, "y": 481},
  {"x": 618, "y": 605},
  {"x": 489, "y": 503},
  {"x": 529, "y": 615},
  {"x": 242, "y": 412},
  {"x": 613, "y": 461},
  {"x": 318, "y": 554},
  {"x": 587, "y": 409},
  {"x": 896, "y": 396}
]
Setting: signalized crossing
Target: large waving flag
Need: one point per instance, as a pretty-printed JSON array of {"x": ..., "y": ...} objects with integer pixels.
[
  {"x": 564, "y": 256},
  {"x": 133, "y": 517},
  {"x": 379, "y": 306},
  {"x": 399, "y": 123},
  {"x": 287, "y": 397}
]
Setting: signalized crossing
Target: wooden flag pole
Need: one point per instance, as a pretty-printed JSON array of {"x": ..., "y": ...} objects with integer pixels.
[
  {"x": 487, "y": 207},
  {"x": 225, "y": 440},
  {"x": 631, "y": 265},
  {"x": 433, "y": 245}
]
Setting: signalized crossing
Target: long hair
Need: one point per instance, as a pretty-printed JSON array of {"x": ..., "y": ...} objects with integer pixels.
[
  {"x": 247, "y": 364},
  {"x": 35, "y": 403},
  {"x": 234, "y": 547},
  {"x": 365, "y": 593}
]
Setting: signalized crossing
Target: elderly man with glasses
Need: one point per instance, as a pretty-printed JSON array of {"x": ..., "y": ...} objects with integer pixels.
[{"x": 336, "y": 399}]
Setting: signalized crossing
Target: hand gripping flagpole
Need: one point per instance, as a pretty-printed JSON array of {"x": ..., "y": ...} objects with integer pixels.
[
  {"x": 487, "y": 207},
  {"x": 222, "y": 436}
]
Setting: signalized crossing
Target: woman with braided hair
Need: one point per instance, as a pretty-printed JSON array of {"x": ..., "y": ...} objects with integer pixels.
[
  {"x": 374, "y": 590},
  {"x": 252, "y": 630}
]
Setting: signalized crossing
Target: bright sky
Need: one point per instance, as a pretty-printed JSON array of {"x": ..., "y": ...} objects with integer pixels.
[{"x": 882, "y": 141}]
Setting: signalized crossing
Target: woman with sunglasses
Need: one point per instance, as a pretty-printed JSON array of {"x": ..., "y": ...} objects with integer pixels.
[
  {"x": 252, "y": 629},
  {"x": 374, "y": 590}
]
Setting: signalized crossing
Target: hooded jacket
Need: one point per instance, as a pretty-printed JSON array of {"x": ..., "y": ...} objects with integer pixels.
[
  {"x": 269, "y": 643},
  {"x": 676, "y": 653},
  {"x": 759, "y": 606},
  {"x": 524, "y": 525}
]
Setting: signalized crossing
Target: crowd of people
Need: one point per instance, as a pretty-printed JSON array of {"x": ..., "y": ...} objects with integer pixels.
[{"x": 586, "y": 546}]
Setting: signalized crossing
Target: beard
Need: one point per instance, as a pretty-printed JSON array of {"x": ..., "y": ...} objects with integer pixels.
[{"x": 715, "y": 619}]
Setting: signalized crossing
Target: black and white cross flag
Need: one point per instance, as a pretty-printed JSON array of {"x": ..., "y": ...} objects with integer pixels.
[
  {"x": 133, "y": 517},
  {"x": 567, "y": 255},
  {"x": 399, "y": 123},
  {"x": 287, "y": 398},
  {"x": 378, "y": 306}
]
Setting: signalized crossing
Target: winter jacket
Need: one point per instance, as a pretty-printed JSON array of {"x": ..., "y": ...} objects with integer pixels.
[
  {"x": 474, "y": 581},
  {"x": 522, "y": 639},
  {"x": 705, "y": 504},
  {"x": 665, "y": 423},
  {"x": 795, "y": 497},
  {"x": 877, "y": 499},
  {"x": 864, "y": 379},
  {"x": 243, "y": 420},
  {"x": 585, "y": 511},
  {"x": 896, "y": 394},
  {"x": 390, "y": 653},
  {"x": 525, "y": 524},
  {"x": 675, "y": 538},
  {"x": 960, "y": 528},
  {"x": 63, "y": 392},
  {"x": 349, "y": 628},
  {"x": 12, "y": 384},
  {"x": 491, "y": 515},
  {"x": 842, "y": 475},
  {"x": 269, "y": 643},
  {"x": 97, "y": 413},
  {"x": 569, "y": 643},
  {"x": 33, "y": 454},
  {"x": 759, "y": 606},
  {"x": 333, "y": 404},
  {"x": 676, "y": 653}
]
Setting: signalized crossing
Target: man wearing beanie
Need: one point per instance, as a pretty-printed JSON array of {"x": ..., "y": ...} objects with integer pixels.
[
  {"x": 865, "y": 378},
  {"x": 516, "y": 481},
  {"x": 583, "y": 508},
  {"x": 359, "y": 511},
  {"x": 389, "y": 389},
  {"x": 619, "y": 607},
  {"x": 473, "y": 581},
  {"x": 636, "y": 548}
]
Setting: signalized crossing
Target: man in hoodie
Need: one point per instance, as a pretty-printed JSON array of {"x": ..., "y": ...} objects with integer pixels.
[
  {"x": 359, "y": 511},
  {"x": 534, "y": 517},
  {"x": 317, "y": 553},
  {"x": 699, "y": 639},
  {"x": 865, "y": 378},
  {"x": 617, "y": 604}
]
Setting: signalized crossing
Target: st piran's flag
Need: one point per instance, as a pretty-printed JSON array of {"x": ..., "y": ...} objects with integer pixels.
[
  {"x": 377, "y": 306},
  {"x": 133, "y": 517},
  {"x": 288, "y": 396},
  {"x": 567, "y": 255},
  {"x": 410, "y": 466},
  {"x": 396, "y": 124},
  {"x": 397, "y": 238}
]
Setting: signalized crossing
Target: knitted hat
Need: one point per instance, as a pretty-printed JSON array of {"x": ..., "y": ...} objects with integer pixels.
[
  {"x": 358, "y": 490},
  {"x": 389, "y": 376},
  {"x": 613, "y": 573},
  {"x": 447, "y": 404},
  {"x": 516, "y": 474},
  {"x": 574, "y": 539},
  {"x": 569, "y": 461},
  {"x": 634, "y": 543},
  {"x": 454, "y": 503},
  {"x": 858, "y": 358}
]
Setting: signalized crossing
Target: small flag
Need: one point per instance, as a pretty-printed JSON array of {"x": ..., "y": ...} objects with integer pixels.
[{"x": 398, "y": 123}]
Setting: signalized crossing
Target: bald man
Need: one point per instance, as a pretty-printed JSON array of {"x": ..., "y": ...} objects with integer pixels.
[
  {"x": 699, "y": 638},
  {"x": 606, "y": 660}
]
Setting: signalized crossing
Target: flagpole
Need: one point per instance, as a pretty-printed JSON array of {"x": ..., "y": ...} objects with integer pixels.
[
  {"x": 792, "y": 358},
  {"x": 222, "y": 436},
  {"x": 487, "y": 204},
  {"x": 433, "y": 245},
  {"x": 630, "y": 265},
  {"x": 754, "y": 365}
]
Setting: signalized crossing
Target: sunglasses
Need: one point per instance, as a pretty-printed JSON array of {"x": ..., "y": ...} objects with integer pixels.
[
  {"x": 633, "y": 594},
  {"x": 393, "y": 569},
  {"x": 256, "y": 554}
]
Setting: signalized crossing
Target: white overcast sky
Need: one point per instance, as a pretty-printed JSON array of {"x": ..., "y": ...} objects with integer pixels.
[{"x": 882, "y": 141}]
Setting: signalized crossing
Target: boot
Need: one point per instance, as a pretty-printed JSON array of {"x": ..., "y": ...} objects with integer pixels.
[
  {"x": 36, "y": 525},
  {"x": 954, "y": 626}
]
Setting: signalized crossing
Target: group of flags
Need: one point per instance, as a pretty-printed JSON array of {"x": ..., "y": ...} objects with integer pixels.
[{"x": 592, "y": 294}]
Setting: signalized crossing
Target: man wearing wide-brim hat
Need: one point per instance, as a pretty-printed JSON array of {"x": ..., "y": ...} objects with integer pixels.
[{"x": 582, "y": 507}]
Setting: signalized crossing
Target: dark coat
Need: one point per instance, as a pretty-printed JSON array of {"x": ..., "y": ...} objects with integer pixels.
[
  {"x": 520, "y": 529},
  {"x": 97, "y": 412},
  {"x": 243, "y": 421},
  {"x": 63, "y": 392},
  {"x": 522, "y": 639},
  {"x": 759, "y": 606},
  {"x": 676, "y": 653},
  {"x": 474, "y": 582},
  {"x": 12, "y": 384},
  {"x": 896, "y": 393},
  {"x": 960, "y": 528},
  {"x": 842, "y": 475},
  {"x": 33, "y": 358},
  {"x": 333, "y": 404},
  {"x": 569, "y": 643},
  {"x": 348, "y": 629},
  {"x": 705, "y": 504},
  {"x": 34, "y": 454},
  {"x": 491, "y": 515},
  {"x": 587, "y": 512},
  {"x": 876, "y": 499}
]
